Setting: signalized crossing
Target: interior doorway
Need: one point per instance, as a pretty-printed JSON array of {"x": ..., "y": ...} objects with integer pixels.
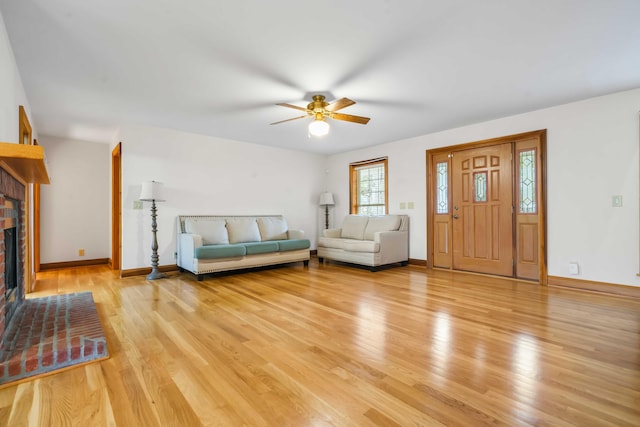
[
  {"x": 116, "y": 206},
  {"x": 486, "y": 206}
]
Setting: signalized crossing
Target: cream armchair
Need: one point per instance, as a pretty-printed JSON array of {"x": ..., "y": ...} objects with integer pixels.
[{"x": 372, "y": 241}]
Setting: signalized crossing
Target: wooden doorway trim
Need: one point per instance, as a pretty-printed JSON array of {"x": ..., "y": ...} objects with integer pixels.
[
  {"x": 441, "y": 154},
  {"x": 26, "y": 137},
  {"x": 36, "y": 223},
  {"x": 116, "y": 206}
]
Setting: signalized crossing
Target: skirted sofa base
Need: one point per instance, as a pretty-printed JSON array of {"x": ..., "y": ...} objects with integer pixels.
[{"x": 210, "y": 243}]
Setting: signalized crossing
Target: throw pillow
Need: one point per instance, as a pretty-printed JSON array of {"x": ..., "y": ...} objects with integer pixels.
[
  {"x": 272, "y": 228},
  {"x": 213, "y": 231},
  {"x": 243, "y": 230}
]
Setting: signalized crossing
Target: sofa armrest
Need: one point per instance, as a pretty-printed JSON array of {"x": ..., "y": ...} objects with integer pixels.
[
  {"x": 394, "y": 245},
  {"x": 190, "y": 240},
  {"x": 186, "y": 253},
  {"x": 295, "y": 234},
  {"x": 332, "y": 232}
]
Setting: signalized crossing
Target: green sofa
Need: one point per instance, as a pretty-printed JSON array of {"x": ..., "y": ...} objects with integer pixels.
[{"x": 213, "y": 243}]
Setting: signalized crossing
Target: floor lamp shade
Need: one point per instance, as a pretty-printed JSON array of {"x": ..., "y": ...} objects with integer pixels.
[
  {"x": 152, "y": 190},
  {"x": 326, "y": 199}
]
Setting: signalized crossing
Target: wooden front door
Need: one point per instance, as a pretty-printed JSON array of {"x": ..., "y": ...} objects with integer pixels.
[{"x": 482, "y": 199}]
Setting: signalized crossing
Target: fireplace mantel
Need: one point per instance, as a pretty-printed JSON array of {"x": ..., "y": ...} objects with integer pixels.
[{"x": 24, "y": 162}]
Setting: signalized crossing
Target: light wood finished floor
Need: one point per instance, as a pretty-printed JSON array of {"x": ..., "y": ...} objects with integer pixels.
[{"x": 337, "y": 345}]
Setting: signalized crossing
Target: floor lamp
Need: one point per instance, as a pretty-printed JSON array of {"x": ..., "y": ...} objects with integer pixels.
[
  {"x": 326, "y": 200},
  {"x": 152, "y": 192}
]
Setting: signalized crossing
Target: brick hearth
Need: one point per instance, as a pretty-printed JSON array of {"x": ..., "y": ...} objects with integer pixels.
[{"x": 52, "y": 333}]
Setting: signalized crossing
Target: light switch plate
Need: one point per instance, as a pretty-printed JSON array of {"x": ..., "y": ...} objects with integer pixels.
[
  {"x": 137, "y": 204},
  {"x": 616, "y": 201},
  {"x": 410, "y": 205},
  {"x": 403, "y": 205}
]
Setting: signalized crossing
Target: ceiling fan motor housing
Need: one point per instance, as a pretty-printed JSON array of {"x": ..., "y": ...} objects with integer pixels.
[{"x": 318, "y": 104}]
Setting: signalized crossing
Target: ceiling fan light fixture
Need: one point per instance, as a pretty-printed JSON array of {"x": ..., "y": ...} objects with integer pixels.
[{"x": 319, "y": 127}]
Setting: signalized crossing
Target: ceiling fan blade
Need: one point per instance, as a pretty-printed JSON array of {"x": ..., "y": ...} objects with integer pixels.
[
  {"x": 339, "y": 104},
  {"x": 284, "y": 104},
  {"x": 350, "y": 118},
  {"x": 288, "y": 120}
]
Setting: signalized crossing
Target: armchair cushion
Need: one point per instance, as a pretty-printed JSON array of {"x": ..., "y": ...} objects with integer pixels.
[
  {"x": 361, "y": 246},
  {"x": 331, "y": 242},
  {"x": 353, "y": 227},
  {"x": 381, "y": 223}
]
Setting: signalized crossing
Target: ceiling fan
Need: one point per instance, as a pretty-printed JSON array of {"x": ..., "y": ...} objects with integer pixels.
[{"x": 321, "y": 109}]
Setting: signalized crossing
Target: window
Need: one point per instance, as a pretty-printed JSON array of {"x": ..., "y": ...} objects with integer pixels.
[{"x": 369, "y": 189}]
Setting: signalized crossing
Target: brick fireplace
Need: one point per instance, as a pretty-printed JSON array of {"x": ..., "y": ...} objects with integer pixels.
[{"x": 12, "y": 248}]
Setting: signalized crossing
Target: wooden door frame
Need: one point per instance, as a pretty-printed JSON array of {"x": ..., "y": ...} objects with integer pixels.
[
  {"x": 541, "y": 135},
  {"x": 36, "y": 223},
  {"x": 116, "y": 207},
  {"x": 25, "y": 136}
]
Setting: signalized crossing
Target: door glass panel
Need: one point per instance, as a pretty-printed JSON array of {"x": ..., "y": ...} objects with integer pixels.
[
  {"x": 442, "y": 188},
  {"x": 528, "y": 182},
  {"x": 480, "y": 186}
]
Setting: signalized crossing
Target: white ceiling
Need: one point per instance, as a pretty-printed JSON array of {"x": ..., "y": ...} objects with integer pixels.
[{"x": 218, "y": 67}]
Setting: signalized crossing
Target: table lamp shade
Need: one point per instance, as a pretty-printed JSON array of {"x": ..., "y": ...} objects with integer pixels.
[{"x": 152, "y": 190}]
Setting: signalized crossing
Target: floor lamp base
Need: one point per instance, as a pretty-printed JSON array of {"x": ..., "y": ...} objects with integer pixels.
[{"x": 155, "y": 274}]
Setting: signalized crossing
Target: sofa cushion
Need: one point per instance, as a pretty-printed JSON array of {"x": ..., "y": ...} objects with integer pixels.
[
  {"x": 243, "y": 230},
  {"x": 331, "y": 242},
  {"x": 293, "y": 245},
  {"x": 220, "y": 251},
  {"x": 213, "y": 231},
  {"x": 272, "y": 228},
  {"x": 353, "y": 227},
  {"x": 261, "y": 247},
  {"x": 361, "y": 246},
  {"x": 381, "y": 223}
]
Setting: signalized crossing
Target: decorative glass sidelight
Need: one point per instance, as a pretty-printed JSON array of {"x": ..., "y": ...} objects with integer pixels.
[
  {"x": 442, "y": 188},
  {"x": 527, "y": 182},
  {"x": 480, "y": 186}
]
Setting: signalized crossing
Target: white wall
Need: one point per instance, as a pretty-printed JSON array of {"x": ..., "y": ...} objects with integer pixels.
[
  {"x": 205, "y": 175},
  {"x": 75, "y": 208},
  {"x": 592, "y": 155},
  {"x": 592, "y": 149},
  {"x": 11, "y": 91}
]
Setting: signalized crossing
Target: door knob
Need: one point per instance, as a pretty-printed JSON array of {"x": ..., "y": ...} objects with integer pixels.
[{"x": 456, "y": 216}]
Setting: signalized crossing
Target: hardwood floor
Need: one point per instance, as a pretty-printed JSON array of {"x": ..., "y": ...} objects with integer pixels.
[{"x": 337, "y": 345}]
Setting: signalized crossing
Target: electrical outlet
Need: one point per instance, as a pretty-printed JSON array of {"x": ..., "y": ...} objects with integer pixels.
[
  {"x": 80, "y": 252},
  {"x": 574, "y": 268},
  {"x": 137, "y": 204}
]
